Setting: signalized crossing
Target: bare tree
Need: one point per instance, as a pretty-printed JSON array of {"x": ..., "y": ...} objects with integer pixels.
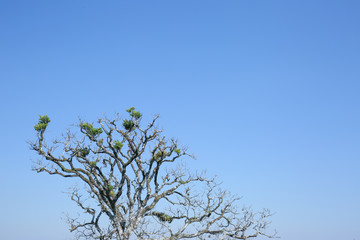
[{"x": 130, "y": 193}]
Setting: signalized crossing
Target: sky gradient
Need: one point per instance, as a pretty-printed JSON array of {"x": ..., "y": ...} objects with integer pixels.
[{"x": 265, "y": 93}]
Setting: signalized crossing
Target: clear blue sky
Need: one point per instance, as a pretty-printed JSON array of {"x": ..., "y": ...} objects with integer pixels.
[{"x": 264, "y": 92}]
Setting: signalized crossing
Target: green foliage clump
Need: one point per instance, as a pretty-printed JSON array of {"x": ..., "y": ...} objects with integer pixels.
[
  {"x": 92, "y": 163},
  {"x": 112, "y": 193},
  {"x": 134, "y": 113},
  {"x": 128, "y": 124},
  {"x": 89, "y": 129},
  {"x": 130, "y": 109},
  {"x": 118, "y": 145},
  {"x": 84, "y": 152},
  {"x": 161, "y": 154},
  {"x": 110, "y": 188},
  {"x": 162, "y": 217},
  {"x": 43, "y": 122},
  {"x": 177, "y": 151},
  {"x": 40, "y": 126}
]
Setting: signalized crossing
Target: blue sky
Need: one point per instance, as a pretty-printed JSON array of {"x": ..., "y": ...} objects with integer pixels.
[{"x": 265, "y": 93}]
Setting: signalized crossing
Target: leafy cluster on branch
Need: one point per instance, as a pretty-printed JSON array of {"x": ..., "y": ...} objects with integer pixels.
[
  {"x": 43, "y": 122},
  {"x": 162, "y": 216},
  {"x": 129, "y": 124},
  {"x": 131, "y": 185},
  {"x": 118, "y": 145},
  {"x": 92, "y": 163},
  {"x": 161, "y": 154},
  {"x": 134, "y": 113},
  {"x": 84, "y": 152},
  {"x": 90, "y": 130},
  {"x": 177, "y": 151}
]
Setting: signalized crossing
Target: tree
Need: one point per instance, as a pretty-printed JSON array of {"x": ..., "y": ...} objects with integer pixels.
[{"x": 131, "y": 193}]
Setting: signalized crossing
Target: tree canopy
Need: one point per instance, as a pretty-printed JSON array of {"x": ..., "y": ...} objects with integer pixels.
[{"x": 136, "y": 186}]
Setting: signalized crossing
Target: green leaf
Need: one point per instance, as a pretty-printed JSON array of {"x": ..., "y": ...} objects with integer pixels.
[
  {"x": 89, "y": 129},
  {"x": 39, "y": 127},
  {"x": 177, "y": 151},
  {"x": 44, "y": 119},
  {"x": 130, "y": 109},
  {"x": 43, "y": 122},
  {"x": 128, "y": 124},
  {"x": 112, "y": 193},
  {"x": 162, "y": 217},
  {"x": 161, "y": 154},
  {"x": 134, "y": 113},
  {"x": 84, "y": 152},
  {"x": 118, "y": 145},
  {"x": 92, "y": 163}
]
